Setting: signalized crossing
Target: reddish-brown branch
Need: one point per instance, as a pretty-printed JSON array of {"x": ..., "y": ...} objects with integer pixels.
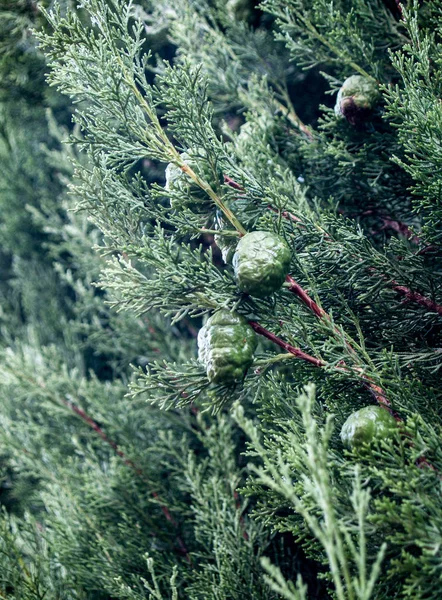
[
  {"x": 411, "y": 296},
  {"x": 423, "y": 462},
  {"x": 400, "y": 228},
  {"x": 285, "y": 345},
  {"x": 287, "y": 215},
  {"x": 241, "y": 518},
  {"x": 229, "y": 181},
  {"x": 377, "y": 392},
  {"x": 388, "y": 223},
  {"x": 319, "y": 312},
  {"x": 428, "y": 249},
  {"x": 93, "y": 425},
  {"x": 296, "y": 289}
]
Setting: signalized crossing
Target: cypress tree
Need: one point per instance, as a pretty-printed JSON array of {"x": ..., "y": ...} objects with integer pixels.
[{"x": 220, "y": 291}]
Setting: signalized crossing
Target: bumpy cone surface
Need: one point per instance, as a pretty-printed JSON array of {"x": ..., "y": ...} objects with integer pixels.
[
  {"x": 261, "y": 263},
  {"x": 367, "y": 424},
  {"x": 357, "y": 98},
  {"x": 225, "y": 346}
]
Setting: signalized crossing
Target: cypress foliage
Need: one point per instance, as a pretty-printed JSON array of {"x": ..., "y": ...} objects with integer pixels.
[{"x": 126, "y": 473}]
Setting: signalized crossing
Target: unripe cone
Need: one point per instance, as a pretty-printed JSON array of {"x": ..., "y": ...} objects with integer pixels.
[
  {"x": 357, "y": 98},
  {"x": 178, "y": 181},
  {"x": 261, "y": 263},
  {"x": 366, "y": 425},
  {"x": 226, "y": 345}
]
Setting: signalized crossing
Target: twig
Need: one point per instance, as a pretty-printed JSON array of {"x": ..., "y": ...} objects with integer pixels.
[
  {"x": 296, "y": 289},
  {"x": 416, "y": 297},
  {"x": 319, "y": 312},
  {"x": 288, "y": 347},
  {"x": 286, "y": 214},
  {"x": 428, "y": 249},
  {"x": 93, "y": 425},
  {"x": 377, "y": 391},
  {"x": 241, "y": 518},
  {"x": 229, "y": 181},
  {"x": 291, "y": 115}
]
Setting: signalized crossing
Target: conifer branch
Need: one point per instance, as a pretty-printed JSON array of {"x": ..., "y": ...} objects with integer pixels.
[
  {"x": 287, "y": 109},
  {"x": 334, "y": 49},
  {"x": 164, "y": 141},
  {"x": 410, "y": 295},
  {"x": 94, "y": 425},
  {"x": 377, "y": 392},
  {"x": 287, "y": 215},
  {"x": 320, "y": 313},
  {"x": 212, "y": 194},
  {"x": 297, "y": 14},
  {"x": 127, "y": 461},
  {"x": 195, "y": 411}
]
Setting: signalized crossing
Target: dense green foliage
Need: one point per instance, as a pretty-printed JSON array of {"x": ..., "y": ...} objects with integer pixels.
[{"x": 166, "y": 134}]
